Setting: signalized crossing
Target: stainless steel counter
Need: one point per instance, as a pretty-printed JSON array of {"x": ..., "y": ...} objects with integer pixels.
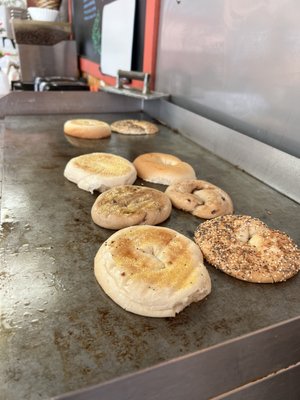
[{"x": 59, "y": 331}]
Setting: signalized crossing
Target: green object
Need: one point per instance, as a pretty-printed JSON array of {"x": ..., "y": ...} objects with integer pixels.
[{"x": 96, "y": 34}]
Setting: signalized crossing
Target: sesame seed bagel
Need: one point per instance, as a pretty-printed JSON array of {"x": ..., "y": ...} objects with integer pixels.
[
  {"x": 151, "y": 271},
  {"x": 87, "y": 128},
  {"x": 162, "y": 168},
  {"x": 99, "y": 171},
  {"x": 128, "y": 205},
  {"x": 200, "y": 198},
  {"x": 134, "y": 127},
  {"x": 247, "y": 249}
]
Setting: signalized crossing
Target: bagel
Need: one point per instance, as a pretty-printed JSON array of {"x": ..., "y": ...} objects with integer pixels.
[
  {"x": 99, "y": 171},
  {"x": 200, "y": 198},
  {"x": 247, "y": 249},
  {"x": 151, "y": 271},
  {"x": 129, "y": 205},
  {"x": 87, "y": 128},
  {"x": 162, "y": 168},
  {"x": 134, "y": 127}
]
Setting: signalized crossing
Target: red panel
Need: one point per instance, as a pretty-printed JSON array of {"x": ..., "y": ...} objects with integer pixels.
[
  {"x": 151, "y": 36},
  {"x": 92, "y": 68}
]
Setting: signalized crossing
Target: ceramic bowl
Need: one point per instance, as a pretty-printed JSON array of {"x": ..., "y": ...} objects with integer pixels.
[{"x": 42, "y": 14}]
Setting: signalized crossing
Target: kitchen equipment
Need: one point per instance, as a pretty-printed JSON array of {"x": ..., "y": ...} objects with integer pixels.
[
  {"x": 42, "y": 14},
  {"x": 57, "y": 60},
  {"x": 59, "y": 325},
  {"x": 40, "y": 32},
  {"x": 122, "y": 87},
  {"x": 45, "y": 49},
  {"x": 18, "y": 85},
  {"x": 44, "y": 84}
]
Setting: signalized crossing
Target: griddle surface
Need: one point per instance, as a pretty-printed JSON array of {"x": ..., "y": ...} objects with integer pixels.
[{"x": 59, "y": 331}]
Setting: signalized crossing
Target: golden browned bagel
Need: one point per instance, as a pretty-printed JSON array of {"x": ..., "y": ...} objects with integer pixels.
[
  {"x": 134, "y": 127},
  {"x": 247, "y": 249},
  {"x": 162, "y": 168},
  {"x": 129, "y": 205},
  {"x": 87, "y": 128},
  {"x": 151, "y": 270},
  {"x": 200, "y": 198},
  {"x": 99, "y": 171}
]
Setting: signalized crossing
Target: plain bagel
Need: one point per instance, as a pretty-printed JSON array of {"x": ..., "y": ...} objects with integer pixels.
[
  {"x": 162, "y": 168},
  {"x": 200, "y": 198},
  {"x": 100, "y": 171},
  {"x": 87, "y": 128},
  {"x": 151, "y": 270}
]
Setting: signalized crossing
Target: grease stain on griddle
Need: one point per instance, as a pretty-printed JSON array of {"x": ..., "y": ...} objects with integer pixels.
[
  {"x": 63, "y": 345},
  {"x": 122, "y": 347},
  {"x": 6, "y": 228},
  {"x": 224, "y": 326},
  {"x": 14, "y": 374},
  {"x": 4, "y": 275},
  {"x": 49, "y": 166},
  {"x": 180, "y": 320}
]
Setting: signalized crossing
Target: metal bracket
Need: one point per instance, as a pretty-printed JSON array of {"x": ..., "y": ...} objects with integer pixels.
[
  {"x": 130, "y": 75},
  {"x": 125, "y": 77}
]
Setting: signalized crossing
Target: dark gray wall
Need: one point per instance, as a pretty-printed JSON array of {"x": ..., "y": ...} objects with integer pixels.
[{"x": 237, "y": 62}]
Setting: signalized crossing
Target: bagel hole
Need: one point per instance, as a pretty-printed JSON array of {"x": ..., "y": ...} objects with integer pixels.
[
  {"x": 194, "y": 191},
  {"x": 166, "y": 161},
  {"x": 243, "y": 235},
  {"x": 197, "y": 193},
  {"x": 149, "y": 250},
  {"x": 255, "y": 240},
  {"x": 249, "y": 236}
]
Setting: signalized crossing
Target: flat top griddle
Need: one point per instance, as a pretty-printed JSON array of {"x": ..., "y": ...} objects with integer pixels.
[{"x": 59, "y": 331}]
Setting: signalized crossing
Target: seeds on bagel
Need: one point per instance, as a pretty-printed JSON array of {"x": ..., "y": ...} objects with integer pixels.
[
  {"x": 247, "y": 249},
  {"x": 134, "y": 127}
]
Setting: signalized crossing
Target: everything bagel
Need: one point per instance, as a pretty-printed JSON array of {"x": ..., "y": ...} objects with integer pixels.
[
  {"x": 134, "y": 127},
  {"x": 247, "y": 249}
]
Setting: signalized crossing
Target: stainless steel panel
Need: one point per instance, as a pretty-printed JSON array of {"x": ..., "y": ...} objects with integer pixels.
[
  {"x": 208, "y": 373},
  {"x": 236, "y": 62},
  {"x": 281, "y": 385},
  {"x": 56, "y": 60},
  {"x": 274, "y": 167},
  {"x": 59, "y": 331},
  {"x": 30, "y": 103}
]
